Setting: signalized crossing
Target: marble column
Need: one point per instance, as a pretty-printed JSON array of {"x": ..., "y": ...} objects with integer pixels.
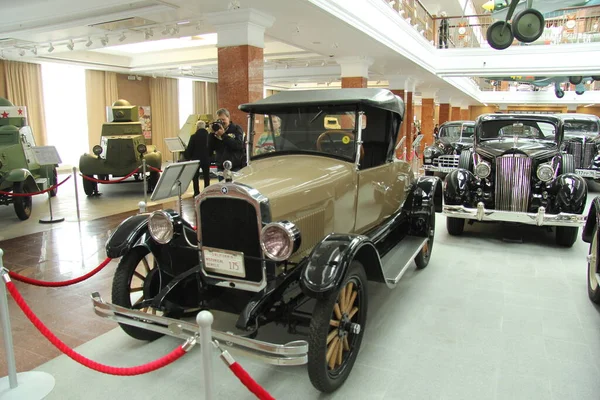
[
  {"x": 444, "y": 113},
  {"x": 240, "y": 43}
]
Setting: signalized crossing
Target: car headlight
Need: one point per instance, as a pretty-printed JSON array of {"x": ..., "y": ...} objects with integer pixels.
[
  {"x": 545, "y": 172},
  {"x": 97, "y": 150},
  {"x": 141, "y": 148},
  {"x": 483, "y": 170},
  {"x": 279, "y": 240},
  {"x": 160, "y": 225},
  {"x": 427, "y": 153}
]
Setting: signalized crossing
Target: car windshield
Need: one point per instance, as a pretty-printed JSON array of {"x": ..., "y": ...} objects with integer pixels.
[
  {"x": 454, "y": 133},
  {"x": 313, "y": 130},
  {"x": 581, "y": 128},
  {"x": 508, "y": 129}
]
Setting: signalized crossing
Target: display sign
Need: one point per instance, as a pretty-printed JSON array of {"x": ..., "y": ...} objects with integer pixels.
[
  {"x": 224, "y": 262},
  {"x": 146, "y": 120},
  {"x": 174, "y": 144},
  {"x": 46, "y": 155},
  {"x": 173, "y": 177}
]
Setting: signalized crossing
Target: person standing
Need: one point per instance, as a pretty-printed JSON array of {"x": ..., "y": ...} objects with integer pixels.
[
  {"x": 443, "y": 31},
  {"x": 227, "y": 140},
  {"x": 197, "y": 149}
]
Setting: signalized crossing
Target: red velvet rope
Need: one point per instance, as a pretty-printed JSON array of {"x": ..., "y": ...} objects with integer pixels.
[
  {"x": 105, "y": 369},
  {"x": 154, "y": 169},
  {"x": 36, "y": 282},
  {"x": 250, "y": 383},
  {"x": 113, "y": 181},
  {"x": 35, "y": 193}
]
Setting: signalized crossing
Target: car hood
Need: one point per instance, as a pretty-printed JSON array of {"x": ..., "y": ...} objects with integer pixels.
[
  {"x": 533, "y": 149},
  {"x": 299, "y": 183}
]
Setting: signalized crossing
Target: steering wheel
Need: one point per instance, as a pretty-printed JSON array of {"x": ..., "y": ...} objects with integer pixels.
[{"x": 337, "y": 149}]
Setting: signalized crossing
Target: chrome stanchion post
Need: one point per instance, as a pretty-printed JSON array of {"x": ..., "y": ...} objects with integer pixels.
[
  {"x": 145, "y": 181},
  {"x": 179, "y": 200},
  {"x": 76, "y": 193},
  {"x": 6, "y": 330},
  {"x": 205, "y": 320}
]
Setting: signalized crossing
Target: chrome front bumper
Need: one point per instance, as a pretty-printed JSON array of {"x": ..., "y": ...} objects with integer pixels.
[
  {"x": 292, "y": 353},
  {"x": 540, "y": 218},
  {"x": 588, "y": 173},
  {"x": 435, "y": 168}
]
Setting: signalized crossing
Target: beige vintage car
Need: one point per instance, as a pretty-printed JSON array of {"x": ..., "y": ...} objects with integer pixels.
[{"x": 292, "y": 238}]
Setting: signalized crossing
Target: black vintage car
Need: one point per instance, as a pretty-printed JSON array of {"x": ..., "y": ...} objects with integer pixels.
[
  {"x": 582, "y": 140},
  {"x": 292, "y": 238},
  {"x": 516, "y": 173},
  {"x": 453, "y": 137}
]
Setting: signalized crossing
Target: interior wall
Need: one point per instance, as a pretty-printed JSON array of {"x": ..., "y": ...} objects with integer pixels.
[
  {"x": 545, "y": 108},
  {"x": 136, "y": 92},
  {"x": 476, "y": 111},
  {"x": 595, "y": 110}
]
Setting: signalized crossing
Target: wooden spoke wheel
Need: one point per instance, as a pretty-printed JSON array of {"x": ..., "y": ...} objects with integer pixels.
[
  {"x": 336, "y": 331},
  {"x": 136, "y": 279},
  {"x": 592, "y": 276},
  {"x": 422, "y": 259}
]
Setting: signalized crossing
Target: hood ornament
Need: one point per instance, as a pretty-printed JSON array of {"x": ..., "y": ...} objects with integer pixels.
[{"x": 227, "y": 174}]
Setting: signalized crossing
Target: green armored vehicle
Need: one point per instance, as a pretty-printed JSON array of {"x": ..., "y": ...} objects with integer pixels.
[
  {"x": 19, "y": 169},
  {"x": 121, "y": 151}
]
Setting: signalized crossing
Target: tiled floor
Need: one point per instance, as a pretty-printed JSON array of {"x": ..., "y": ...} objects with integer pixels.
[{"x": 487, "y": 319}]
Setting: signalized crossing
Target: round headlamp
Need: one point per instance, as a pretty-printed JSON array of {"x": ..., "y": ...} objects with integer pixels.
[
  {"x": 427, "y": 153},
  {"x": 160, "y": 225},
  {"x": 97, "y": 149},
  {"x": 545, "y": 172},
  {"x": 141, "y": 148},
  {"x": 483, "y": 170},
  {"x": 279, "y": 240}
]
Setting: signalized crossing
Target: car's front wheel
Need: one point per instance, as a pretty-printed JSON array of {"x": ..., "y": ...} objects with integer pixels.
[
  {"x": 22, "y": 204},
  {"x": 592, "y": 276},
  {"x": 89, "y": 187},
  {"x": 422, "y": 259},
  {"x": 566, "y": 236},
  {"x": 455, "y": 226},
  {"x": 336, "y": 331}
]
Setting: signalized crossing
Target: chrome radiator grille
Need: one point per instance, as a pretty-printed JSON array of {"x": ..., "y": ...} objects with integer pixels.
[
  {"x": 447, "y": 161},
  {"x": 575, "y": 149},
  {"x": 583, "y": 153},
  {"x": 588, "y": 155},
  {"x": 513, "y": 176}
]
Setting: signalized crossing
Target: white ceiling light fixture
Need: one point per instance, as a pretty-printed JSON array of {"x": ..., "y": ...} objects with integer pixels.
[
  {"x": 34, "y": 50},
  {"x": 22, "y": 52},
  {"x": 122, "y": 37},
  {"x": 104, "y": 40},
  {"x": 71, "y": 45},
  {"x": 89, "y": 42},
  {"x": 50, "y": 47},
  {"x": 148, "y": 34}
]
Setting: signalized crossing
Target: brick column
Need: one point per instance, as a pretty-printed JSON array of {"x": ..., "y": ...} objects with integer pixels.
[
  {"x": 354, "y": 82},
  {"x": 455, "y": 114},
  {"x": 240, "y": 43},
  {"x": 354, "y": 71},
  {"x": 465, "y": 114},
  {"x": 427, "y": 123},
  {"x": 444, "y": 113}
]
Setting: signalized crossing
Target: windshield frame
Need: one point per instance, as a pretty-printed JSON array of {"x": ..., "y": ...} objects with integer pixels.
[{"x": 558, "y": 128}]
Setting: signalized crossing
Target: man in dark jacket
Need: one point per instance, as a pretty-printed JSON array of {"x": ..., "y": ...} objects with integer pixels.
[
  {"x": 197, "y": 149},
  {"x": 228, "y": 143}
]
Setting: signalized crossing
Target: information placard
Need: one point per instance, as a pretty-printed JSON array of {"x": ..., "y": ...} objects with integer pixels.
[
  {"x": 173, "y": 176},
  {"x": 174, "y": 144},
  {"x": 46, "y": 155}
]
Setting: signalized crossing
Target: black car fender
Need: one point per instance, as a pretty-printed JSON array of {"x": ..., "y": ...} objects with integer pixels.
[
  {"x": 425, "y": 190},
  {"x": 592, "y": 221},
  {"x": 457, "y": 185},
  {"x": 126, "y": 235},
  {"x": 571, "y": 193},
  {"x": 330, "y": 259}
]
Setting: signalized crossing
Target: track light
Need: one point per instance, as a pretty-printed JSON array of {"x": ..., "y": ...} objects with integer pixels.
[
  {"x": 148, "y": 34},
  {"x": 21, "y": 52},
  {"x": 34, "y": 50},
  {"x": 175, "y": 30},
  {"x": 122, "y": 37},
  {"x": 104, "y": 40},
  {"x": 89, "y": 42},
  {"x": 71, "y": 45},
  {"x": 50, "y": 48}
]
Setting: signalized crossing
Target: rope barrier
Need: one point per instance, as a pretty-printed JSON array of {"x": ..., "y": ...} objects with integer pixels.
[
  {"x": 36, "y": 282},
  {"x": 105, "y": 369},
  {"x": 113, "y": 181},
  {"x": 35, "y": 193},
  {"x": 153, "y": 169}
]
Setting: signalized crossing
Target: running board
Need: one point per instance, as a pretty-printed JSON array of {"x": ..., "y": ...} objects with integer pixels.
[
  {"x": 292, "y": 353},
  {"x": 396, "y": 261}
]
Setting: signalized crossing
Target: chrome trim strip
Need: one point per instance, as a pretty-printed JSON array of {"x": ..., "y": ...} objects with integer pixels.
[
  {"x": 541, "y": 218},
  {"x": 249, "y": 137},
  {"x": 292, "y": 353}
]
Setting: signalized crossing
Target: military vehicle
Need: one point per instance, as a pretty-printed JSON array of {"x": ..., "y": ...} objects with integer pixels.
[
  {"x": 121, "y": 151},
  {"x": 19, "y": 169}
]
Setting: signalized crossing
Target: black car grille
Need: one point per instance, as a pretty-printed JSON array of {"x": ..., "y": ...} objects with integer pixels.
[
  {"x": 588, "y": 155},
  {"x": 582, "y": 155},
  {"x": 513, "y": 177},
  {"x": 231, "y": 224}
]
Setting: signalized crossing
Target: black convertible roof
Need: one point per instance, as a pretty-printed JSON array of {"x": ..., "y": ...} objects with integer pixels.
[{"x": 379, "y": 98}]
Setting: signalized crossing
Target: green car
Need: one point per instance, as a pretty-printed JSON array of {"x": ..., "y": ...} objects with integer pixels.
[
  {"x": 121, "y": 151},
  {"x": 19, "y": 169}
]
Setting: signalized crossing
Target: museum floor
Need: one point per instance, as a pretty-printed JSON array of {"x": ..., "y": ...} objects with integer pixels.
[{"x": 487, "y": 319}]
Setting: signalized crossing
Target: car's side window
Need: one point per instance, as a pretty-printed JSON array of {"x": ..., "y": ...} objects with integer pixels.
[{"x": 376, "y": 138}]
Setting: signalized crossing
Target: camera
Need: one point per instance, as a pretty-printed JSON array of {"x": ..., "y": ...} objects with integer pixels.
[{"x": 218, "y": 124}]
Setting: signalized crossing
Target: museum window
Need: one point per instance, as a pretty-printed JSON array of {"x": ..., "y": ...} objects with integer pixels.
[
  {"x": 186, "y": 101},
  {"x": 65, "y": 110}
]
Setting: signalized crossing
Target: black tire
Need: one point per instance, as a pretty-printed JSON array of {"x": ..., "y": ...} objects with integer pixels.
[
  {"x": 89, "y": 187},
  {"x": 153, "y": 181},
  {"x": 127, "y": 271},
  {"x": 575, "y": 80},
  {"x": 323, "y": 377},
  {"x": 465, "y": 160},
  {"x": 566, "y": 236},
  {"x": 559, "y": 93},
  {"x": 21, "y": 204},
  {"x": 596, "y": 77},
  {"x": 567, "y": 166},
  {"x": 53, "y": 182},
  {"x": 528, "y": 25},
  {"x": 422, "y": 259},
  {"x": 592, "y": 280},
  {"x": 498, "y": 36},
  {"x": 455, "y": 226}
]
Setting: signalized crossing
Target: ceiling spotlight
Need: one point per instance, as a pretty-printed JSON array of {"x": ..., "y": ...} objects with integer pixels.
[
  {"x": 401, "y": 12},
  {"x": 104, "y": 40},
  {"x": 122, "y": 37},
  {"x": 175, "y": 30},
  {"x": 21, "y": 52},
  {"x": 89, "y": 42},
  {"x": 422, "y": 32},
  {"x": 50, "y": 48},
  {"x": 34, "y": 50},
  {"x": 71, "y": 45},
  {"x": 165, "y": 31},
  {"x": 148, "y": 34}
]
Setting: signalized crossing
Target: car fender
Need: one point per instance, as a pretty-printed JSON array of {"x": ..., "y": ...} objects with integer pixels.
[
  {"x": 126, "y": 235},
  {"x": 592, "y": 221},
  {"x": 426, "y": 189},
  {"x": 88, "y": 163},
  {"x": 456, "y": 186},
  {"x": 330, "y": 259},
  {"x": 571, "y": 193},
  {"x": 22, "y": 175}
]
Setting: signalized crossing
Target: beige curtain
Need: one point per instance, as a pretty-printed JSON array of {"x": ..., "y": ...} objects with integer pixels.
[
  {"x": 23, "y": 85},
  {"x": 101, "y": 92},
  {"x": 164, "y": 105},
  {"x": 199, "y": 97},
  {"x": 211, "y": 98}
]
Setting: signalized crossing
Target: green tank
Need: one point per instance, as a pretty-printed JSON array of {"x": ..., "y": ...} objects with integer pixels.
[
  {"x": 19, "y": 170},
  {"x": 121, "y": 150}
]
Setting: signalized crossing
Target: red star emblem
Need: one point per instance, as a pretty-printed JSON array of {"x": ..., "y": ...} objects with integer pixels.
[
  {"x": 20, "y": 111},
  {"x": 4, "y": 114}
]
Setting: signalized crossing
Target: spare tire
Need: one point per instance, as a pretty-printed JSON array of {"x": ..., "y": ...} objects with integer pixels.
[
  {"x": 466, "y": 160},
  {"x": 567, "y": 165}
]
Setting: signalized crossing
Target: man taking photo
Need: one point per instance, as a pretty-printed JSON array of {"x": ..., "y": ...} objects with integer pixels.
[{"x": 227, "y": 141}]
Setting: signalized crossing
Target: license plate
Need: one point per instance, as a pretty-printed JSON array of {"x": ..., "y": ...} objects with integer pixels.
[
  {"x": 587, "y": 173},
  {"x": 224, "y": 262},
  {"x": 427, "y": 161}
]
